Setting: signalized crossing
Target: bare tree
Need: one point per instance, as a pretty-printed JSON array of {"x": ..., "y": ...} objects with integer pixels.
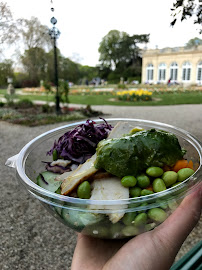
[
  {"x": 8, "y": 27},
  {"x": 34, "y": 34}
]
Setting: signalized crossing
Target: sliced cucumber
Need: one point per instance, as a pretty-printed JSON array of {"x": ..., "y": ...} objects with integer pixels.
[
  {"x": 90, "y": 218},
  {"x": 71, "y": 219},
  {"x": 49, "y": 182},
  {"x": 78, "y": 220}
]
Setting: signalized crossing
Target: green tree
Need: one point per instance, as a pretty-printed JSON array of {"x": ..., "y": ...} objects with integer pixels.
[
  {"x": 194, "y": 42},
  {"x": 68, "y": 70},
  {"x": 120, "y": 53},
  {"x": 6, "y": 71},
  {"x": 34, "y": 62},
  {"x": 110, "y": 48},
  {"x": 88, "y": 73}
]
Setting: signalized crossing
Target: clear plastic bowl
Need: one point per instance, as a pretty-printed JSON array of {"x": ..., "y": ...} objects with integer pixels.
[{"x": 75, "y": 212}]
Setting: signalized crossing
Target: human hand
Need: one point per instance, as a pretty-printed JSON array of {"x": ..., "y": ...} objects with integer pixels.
[{"x": 156, "y": 249}]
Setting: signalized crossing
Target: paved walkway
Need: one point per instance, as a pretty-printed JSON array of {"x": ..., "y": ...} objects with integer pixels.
[{"x": 30, "y": 237}]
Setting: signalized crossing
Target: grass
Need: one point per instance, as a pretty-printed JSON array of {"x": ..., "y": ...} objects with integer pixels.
[{"x": 157, "y": 99}]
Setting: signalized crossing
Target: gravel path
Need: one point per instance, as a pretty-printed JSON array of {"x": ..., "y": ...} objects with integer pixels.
[{"x": 31, "y": 238}]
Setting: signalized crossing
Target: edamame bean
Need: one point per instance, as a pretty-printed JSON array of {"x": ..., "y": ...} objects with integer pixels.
[
  {"x": 84, "y": 190},
  {"x": 169, "y": 178},
  {"x": 135, "y": 191},
  {"x": 172, "y": 204},
  {"x": 158, "y": 185},
  {"x": 146, "y": 192},
  {"x": 143, "y": 181},
  {"x": 140, "y": 219},
  {"x": 115, "y": 230},
  {"x": 157, "y": 214},
  {"x": 128, "y": 218},
  {"x": 130, "y": 231},
  {"x": 128, "y": 181},
  {"x": 150, "y": 226},
  {"x": 55, "y": 155},
  {"x": 142, "y": 205},
  {"x": 154, "y": 171},
  {"x": 184, "y": 174},
  {"x": 162, "y": 204}
]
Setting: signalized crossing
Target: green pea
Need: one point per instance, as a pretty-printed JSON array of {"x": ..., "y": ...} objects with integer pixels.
[
  {"x": 143, "y": 181},
  {"x": 154, "y": 171},
  {"x": 84, "y": 190},
  {"x": 158, "y": 185},
  {"x": 128, "y": 181},
  {"x": 130, "y": 231},
  {"x": 55, "y": 155},
  {"x": 146, "y": 192},
  {"x": 184, "y": 174},
  {"x": 157, "y": 214},
  {"x": 140, "y": 219},
  {"x": 129, "y": 218},
  {"x": 135, "y": 191},
  {"x": 169, "y": 178}
]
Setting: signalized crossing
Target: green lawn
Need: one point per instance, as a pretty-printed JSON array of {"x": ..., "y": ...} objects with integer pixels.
[{"x": 158, "y": 99}]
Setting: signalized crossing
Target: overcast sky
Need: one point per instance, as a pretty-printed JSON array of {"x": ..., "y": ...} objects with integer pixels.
[{"x": 83, "y": 23}]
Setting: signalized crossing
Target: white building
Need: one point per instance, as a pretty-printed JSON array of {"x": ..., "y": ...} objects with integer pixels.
[{"x": 182, "y": 65}]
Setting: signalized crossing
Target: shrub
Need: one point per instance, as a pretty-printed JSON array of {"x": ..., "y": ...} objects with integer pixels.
[
  {"x": 46, "y": 108},
  {"x": 121, "y": 86},
  {"x": 25, "y": 103}
]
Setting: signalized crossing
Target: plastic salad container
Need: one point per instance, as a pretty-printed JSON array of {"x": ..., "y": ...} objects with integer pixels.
[{"x": 76, "y": 214}]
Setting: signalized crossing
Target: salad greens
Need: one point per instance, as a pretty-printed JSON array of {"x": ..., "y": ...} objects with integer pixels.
[{"x": 133, "y": 154}]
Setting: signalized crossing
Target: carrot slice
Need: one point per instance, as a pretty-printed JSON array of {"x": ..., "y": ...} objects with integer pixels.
[
  {"x": 149, "y": 188},
  {"x": 180, "y": 164},
  {"x": 190, "y": 165}
]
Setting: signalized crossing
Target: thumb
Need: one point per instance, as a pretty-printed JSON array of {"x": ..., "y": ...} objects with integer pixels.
[{"x": 179, "y": 225}]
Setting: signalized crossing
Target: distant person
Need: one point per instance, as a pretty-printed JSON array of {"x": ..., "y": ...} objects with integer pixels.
[{"x": 169, "y": 82}]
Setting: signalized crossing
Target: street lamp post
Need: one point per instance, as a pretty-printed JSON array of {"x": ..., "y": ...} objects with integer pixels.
[{"x": 54, "y": 34}]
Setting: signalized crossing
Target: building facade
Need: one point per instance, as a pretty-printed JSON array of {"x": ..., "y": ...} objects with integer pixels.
[{"x": 175, "y": 65}]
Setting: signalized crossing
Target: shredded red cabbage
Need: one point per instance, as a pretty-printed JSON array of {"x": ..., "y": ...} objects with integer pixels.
[{"x": 80, "y": 143}]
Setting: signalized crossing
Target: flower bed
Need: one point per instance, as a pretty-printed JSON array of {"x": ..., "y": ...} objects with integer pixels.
[
  {"x": 134, "y": 95},
  {"x": 94, "y": 91}
]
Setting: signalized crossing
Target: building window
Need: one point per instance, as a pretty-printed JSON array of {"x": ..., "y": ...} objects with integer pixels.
[
  {"x": 173, "y": 72},
  {"x": 186, "y": 71},
  {"x": 162, "y": 72},
  {"x": 150, "y": 73},
  {"x": 199, "y": 73}
]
